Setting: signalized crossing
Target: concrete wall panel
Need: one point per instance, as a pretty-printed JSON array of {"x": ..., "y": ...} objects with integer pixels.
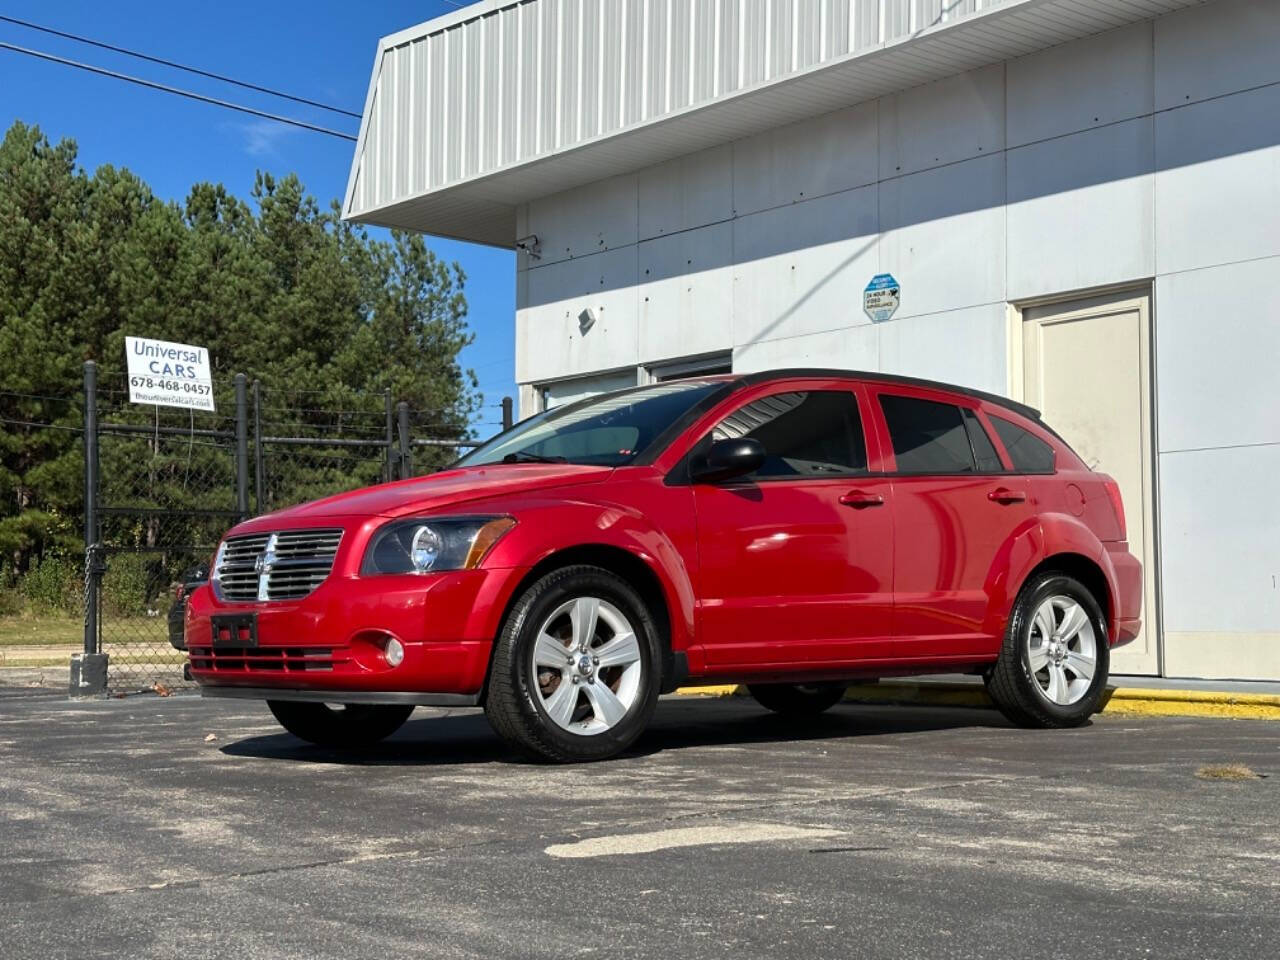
[
  {"x": 1220, "y": 551},
  {"x": 602, "y": 216},
  {"x": 1218, "y": 185},
  {"x": 1079, "y": 85},
  {"x": 1215, "y": 49},
  {"x": 802, "y": 268},
  {"x": 550, "y": 343},
  {"x": 943, "y": 235},
  {"x": 686, "y": 193},
  {"x": 1218, "y": 348},
  {"x": 833, "y": 152},
  {"x": 686, "y": 293},
  {"x": 957, "y": 346},
  {"x": 1080, "y": 211},
  {"x": 852, "y": 348},
  {"x": 954, "y": 119}
]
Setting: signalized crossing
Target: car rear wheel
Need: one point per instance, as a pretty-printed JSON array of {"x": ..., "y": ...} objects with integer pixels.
[
  {"x": 575, "y": 669},
  {"x": 797, "y": 699},
  {"x": 1053, "y": 667},
  {"x": 339, "y": 725}
]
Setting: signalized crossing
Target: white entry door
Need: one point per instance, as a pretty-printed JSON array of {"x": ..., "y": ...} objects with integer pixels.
[{"x": 1086, "y": 366}]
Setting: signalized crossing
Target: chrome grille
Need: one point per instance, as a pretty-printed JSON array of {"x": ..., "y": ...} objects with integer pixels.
[{"x": 286, "y": 565}]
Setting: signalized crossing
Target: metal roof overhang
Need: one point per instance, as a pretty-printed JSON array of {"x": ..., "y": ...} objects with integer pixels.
[{"x": 483, "y": 208}]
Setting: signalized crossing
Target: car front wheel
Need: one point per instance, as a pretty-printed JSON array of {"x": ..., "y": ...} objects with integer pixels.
[
  {"x": 344, "y": 726},
  {"x": 575, "y": 669}
]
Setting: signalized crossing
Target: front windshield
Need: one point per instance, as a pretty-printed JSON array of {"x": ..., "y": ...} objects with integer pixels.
[{"x": 609, "y": 430}]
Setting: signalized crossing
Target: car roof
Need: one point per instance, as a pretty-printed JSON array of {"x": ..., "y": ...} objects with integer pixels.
[{"x": 792, "y": 373}]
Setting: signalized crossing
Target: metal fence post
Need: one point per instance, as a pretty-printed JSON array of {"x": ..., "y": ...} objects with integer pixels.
[
  {"x": 406, "y": 462},
  {"x": 389, "y": 470},
  {"x": 242, "y": 448},
  {"x": 89, "y": 669},
  {"x": 259, "y": 475},
  {"x": 507, "y": 418}
]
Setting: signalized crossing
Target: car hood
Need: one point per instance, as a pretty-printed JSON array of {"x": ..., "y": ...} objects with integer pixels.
[{"x": 436, "y": 491}]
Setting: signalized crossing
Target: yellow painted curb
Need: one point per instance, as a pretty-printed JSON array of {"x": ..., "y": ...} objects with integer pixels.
[
  {"x": 1131, "y": 701},
  {"x": 720, "y": 690},
  {"x": 1193, "y": 703}
]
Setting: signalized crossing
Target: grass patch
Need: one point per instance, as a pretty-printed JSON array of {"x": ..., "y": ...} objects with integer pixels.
[
  {"x": 40, "y": 631},
  {"x": 51, "y": 631},
  {"x": 1226, "y": 771}
]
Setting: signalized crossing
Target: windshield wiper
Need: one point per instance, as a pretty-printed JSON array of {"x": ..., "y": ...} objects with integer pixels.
[{"x": 522, "y": 457}]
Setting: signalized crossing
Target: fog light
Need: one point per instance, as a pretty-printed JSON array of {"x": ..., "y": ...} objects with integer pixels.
[{"x": 394, "y": 652}]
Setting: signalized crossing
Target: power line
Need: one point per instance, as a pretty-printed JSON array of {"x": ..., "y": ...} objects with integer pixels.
[
  {"x": 165, "y": 88},
  {"x": 175, "y": 65}
]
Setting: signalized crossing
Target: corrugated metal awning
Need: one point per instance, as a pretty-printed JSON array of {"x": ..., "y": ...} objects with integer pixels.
[{"x": 506, "y": 101}]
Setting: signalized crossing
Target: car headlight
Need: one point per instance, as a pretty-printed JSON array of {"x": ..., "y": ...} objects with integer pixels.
[{"x": 428, "y": 545}]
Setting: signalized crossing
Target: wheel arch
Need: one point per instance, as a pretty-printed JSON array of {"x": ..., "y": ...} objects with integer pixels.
[
  {"x": 1082, "y": 568},
  {"x": 617, "y": 560}
]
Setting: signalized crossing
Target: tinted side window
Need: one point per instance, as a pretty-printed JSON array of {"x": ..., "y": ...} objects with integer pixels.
[
  {"x": 983, "y": 452},
  {"x": 1027, "y": 451},
  {"x": 805, "y": 434},
  {"x": 928, "y": 437}
]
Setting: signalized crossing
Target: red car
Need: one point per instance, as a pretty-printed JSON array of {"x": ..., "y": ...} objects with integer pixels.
[{"x": 791, "y": 530}]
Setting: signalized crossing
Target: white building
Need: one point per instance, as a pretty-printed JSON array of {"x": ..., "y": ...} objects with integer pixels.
[{"x": 1080, "y": 201}]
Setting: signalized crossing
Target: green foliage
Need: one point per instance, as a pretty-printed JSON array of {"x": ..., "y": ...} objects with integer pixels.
[
  {"x": 127, "y": 586},
  {"x": 276, "y": 286},
  {"x": 12, "y": 602},
  {"x": 53, "y": 586}
]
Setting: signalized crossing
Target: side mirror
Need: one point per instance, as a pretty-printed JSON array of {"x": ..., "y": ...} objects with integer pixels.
[{"x": 727, "y": 459}]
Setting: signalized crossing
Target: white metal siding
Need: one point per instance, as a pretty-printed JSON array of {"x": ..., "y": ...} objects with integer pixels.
[
  {"x": 525, "y": 78},
  {"x": 501, "y": 84}
]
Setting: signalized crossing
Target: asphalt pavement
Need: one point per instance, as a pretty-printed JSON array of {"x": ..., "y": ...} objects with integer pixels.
[{"x": 176, "y": 827}]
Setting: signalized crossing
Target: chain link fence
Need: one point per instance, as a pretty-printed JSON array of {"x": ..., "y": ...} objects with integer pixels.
[{"x": 162, "y": 485}]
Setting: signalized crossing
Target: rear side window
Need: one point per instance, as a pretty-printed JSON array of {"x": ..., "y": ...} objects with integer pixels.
[
  {"x": 1028, "y": 452},
  {"x": 927, "y": 436},
  {"x": 984, "y": 454},
  {"x": 805, "y": 434}
]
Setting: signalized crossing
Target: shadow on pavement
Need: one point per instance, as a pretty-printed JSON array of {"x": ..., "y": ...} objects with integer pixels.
[{"x": 466, "y": 738}]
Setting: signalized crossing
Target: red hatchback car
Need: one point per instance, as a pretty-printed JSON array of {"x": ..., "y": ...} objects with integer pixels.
[{"x": 791, "y": 530}]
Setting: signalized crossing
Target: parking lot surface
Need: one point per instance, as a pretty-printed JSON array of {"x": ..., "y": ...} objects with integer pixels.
[{"x": 184, "y": 828}]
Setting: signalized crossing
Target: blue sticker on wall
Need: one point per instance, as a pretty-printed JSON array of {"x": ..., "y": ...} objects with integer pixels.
[{"x": 880, "y": 299}]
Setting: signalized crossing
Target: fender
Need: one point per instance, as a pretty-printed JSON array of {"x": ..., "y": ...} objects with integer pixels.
[
  {"x": 1048, "y": 535},
  {"x": 546, "y": 528}
]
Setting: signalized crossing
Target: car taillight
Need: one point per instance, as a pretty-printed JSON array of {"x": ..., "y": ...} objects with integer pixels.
[{"x": 1117, "y": 503}]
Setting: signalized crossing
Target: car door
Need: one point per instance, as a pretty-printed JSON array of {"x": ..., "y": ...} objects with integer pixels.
[
  {"x": 795, "y": 560},
  {"x": 956, "y": 505}
]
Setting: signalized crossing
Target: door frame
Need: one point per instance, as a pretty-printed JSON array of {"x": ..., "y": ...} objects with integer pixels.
[{"x": 1016, "y": 388}]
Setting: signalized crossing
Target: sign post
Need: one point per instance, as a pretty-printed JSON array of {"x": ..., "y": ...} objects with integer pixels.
[
  {"x": 168, "y": 374},
  {"x": 881, "y": 298}
]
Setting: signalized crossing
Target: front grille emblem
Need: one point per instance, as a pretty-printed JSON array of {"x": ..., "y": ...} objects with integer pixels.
[{"x": 263, "y": 566}]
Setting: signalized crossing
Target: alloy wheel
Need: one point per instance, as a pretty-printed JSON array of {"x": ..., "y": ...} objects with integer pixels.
[
  {"x": 1062, "y": 650},
  {"x": 587, "y": 665}
]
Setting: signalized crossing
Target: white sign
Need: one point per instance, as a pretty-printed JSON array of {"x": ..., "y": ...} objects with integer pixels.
[
  {"x": 170, "y": 374},
  {"x": 880, "y": 299}
]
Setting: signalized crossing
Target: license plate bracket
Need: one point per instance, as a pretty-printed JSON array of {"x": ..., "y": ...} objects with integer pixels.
[{"x": 238, "y": 630}]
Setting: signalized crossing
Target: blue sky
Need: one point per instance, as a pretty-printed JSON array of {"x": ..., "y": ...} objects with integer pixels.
[{"x": 322, "y": 50}]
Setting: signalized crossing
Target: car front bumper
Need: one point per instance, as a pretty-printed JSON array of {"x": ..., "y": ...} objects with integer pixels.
[{"x": 330, "y": 644}]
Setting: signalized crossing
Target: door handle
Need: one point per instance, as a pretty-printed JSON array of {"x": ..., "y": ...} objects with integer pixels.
[
  {"x": 860, "y": 498},
  {"x": 1004, "y": 495}
]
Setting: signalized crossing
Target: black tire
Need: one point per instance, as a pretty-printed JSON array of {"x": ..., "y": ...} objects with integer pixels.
[
  {"x": 344, "y": 727},
  {"x": 515, "y": 710},
  {"x": 797, "y": 699},
  {"x": 1011, "y": 684}
]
